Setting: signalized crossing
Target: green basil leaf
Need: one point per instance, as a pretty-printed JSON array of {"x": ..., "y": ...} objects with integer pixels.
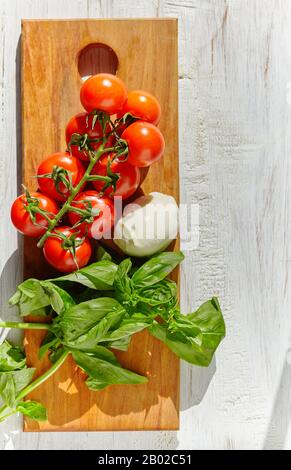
[
  {"x": 103, "y": 373},
  {"x": 30, "y": 298},
  {"x": 89, "y": 340},
  {"x": 156, "y": 269},
  {"x": 210, "y": 321},
  {"x": 11, "y": 357},
  {"x": 102, "y": 254},
  {"x": 22, "y": 378},
  {"x": 84, "y": 321},
  {"x": 50, "y": 342},
  {"x": 56, "y": 353},
  {"x": 60, "y": 300},
  {"x": 194, "y": 337},
  {"x": 11, "y": 383},
  {"x": 163, "y": 292},
  {"x": 119, "y": 344},
  {"x": 34, "y": 297},
  {"x": 7, "y": 389},
  {"x": 122, "y": 282},
  {"x": 99, "y": 275},
  {"x": 128, "y": 327},
  {"x": 33, "y": 409},
  {"x": 100, "y": 352}
]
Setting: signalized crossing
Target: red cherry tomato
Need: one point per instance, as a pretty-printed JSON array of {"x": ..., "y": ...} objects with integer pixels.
[
  {"x": 63, "y": 160},
  {"x": 82, "y": 124},
  {"x": 104, "y": 92},
  {"x": 103, "y": 221},
  {"x": 142, "y": 105},
  {"x": 58, "y": 255},
  {"x": 146, "y": 143},
  {"x": 21, "y": 218},
  {"x": 129, "y": 177}
]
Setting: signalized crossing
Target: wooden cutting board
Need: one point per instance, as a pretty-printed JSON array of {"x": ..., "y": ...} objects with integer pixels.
[{"x": 147, "y": 59}]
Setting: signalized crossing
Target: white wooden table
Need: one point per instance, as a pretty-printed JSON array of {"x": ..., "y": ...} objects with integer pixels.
[{"x": 235, "y": 143}]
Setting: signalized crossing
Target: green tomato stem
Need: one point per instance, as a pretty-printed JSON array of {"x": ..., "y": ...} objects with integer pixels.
[
  {"x": 43, "y": 377},
  {"x": 25, "y": 326},
  {"x": 35, "y": 384},
  {"x": 74, "y": 193}
]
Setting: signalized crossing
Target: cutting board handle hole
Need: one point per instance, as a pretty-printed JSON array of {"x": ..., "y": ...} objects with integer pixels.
[{"x": 96, "y": 58}]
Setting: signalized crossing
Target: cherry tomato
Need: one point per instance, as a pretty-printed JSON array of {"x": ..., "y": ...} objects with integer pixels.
[
  {"x": 103, "y": 221},
  {"x": 58, "y": 254},
  {"x": 82, "y": 124},
  {"x": 142, "y": 105},
  {"x": 104, "y": 92},
  {"x": 146, "y": 143},
  {"x": 129, "y": 177},
  {"x": 21, "y": 218},
  {"x": 64, "y": 160}
]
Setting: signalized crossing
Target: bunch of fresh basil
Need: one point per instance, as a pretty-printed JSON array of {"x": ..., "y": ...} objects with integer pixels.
[
  {"x": 14, "y": 377},
  {"x": 98, "y": 309}
]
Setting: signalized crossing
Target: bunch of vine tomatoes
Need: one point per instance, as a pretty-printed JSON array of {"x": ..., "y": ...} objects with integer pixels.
[{"x": 108, "y": 146}]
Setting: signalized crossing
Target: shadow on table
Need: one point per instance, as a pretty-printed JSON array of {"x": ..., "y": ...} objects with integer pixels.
[
  {"x": 11, "y": 274},
  {"x": 281, "y": 413},
  {"x": 9, "y": 278},
  {"x": 194, "y": 383}
]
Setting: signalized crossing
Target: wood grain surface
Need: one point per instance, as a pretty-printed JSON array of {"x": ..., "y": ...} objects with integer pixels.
[
  {"x": 50, "y": 96},
  {"x": 235, "y": 147}
]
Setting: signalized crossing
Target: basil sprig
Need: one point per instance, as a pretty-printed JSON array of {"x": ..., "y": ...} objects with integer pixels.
[
  {"x": 99, "y": 307},
  {"x": 14, "y": 377}
]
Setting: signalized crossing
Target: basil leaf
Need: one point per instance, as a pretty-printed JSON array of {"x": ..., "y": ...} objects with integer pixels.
[
  {"x": 7, "y": 389},
  {"x": 82, "y": 323},
  {"x": 56, "y": 354},
  {"x": 33, "y": 297},
  {"x": 156, "y": 269},
  {"x": 162, "y": 292},
  {"x": 60, "y": 300},
  {"x": 99, "y": 275},
  {"x": 194, "y": 337},
  {"x": 50, "y": 342},
  {"x": 33, "y": 409},
  {"x": 102, "y": 353},
  {"x": 11, "y": 383},
  {"x": 102, "y": 254},
  {"x": 30, "y": 298},
  {"x": 22, "y": 378},
  {"x": 11, "y": 357},
  {"x": 128, "y": 327},
  {"x": 119, "y": 344},
  {"x": 89, "y": 340},
  {"x": 103, "y": 372},
  {"x": 122, "y": 282}
]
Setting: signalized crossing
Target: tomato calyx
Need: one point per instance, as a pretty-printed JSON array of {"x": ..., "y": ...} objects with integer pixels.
[
  {"x": 70, "y": 242},
  {"x": 128, "y": 118},
  {"x": 112, "y": 177},
  {"x": 60, "y": 176},
  {"x": 87, "y": 213},
  {"x": 83, "y": 141},
  {"x": 120, "y": 149},
  {"x": 32, "y": 207},
  {"x": 102, "y": 117},
  {"x": 87, "y": 144}
]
